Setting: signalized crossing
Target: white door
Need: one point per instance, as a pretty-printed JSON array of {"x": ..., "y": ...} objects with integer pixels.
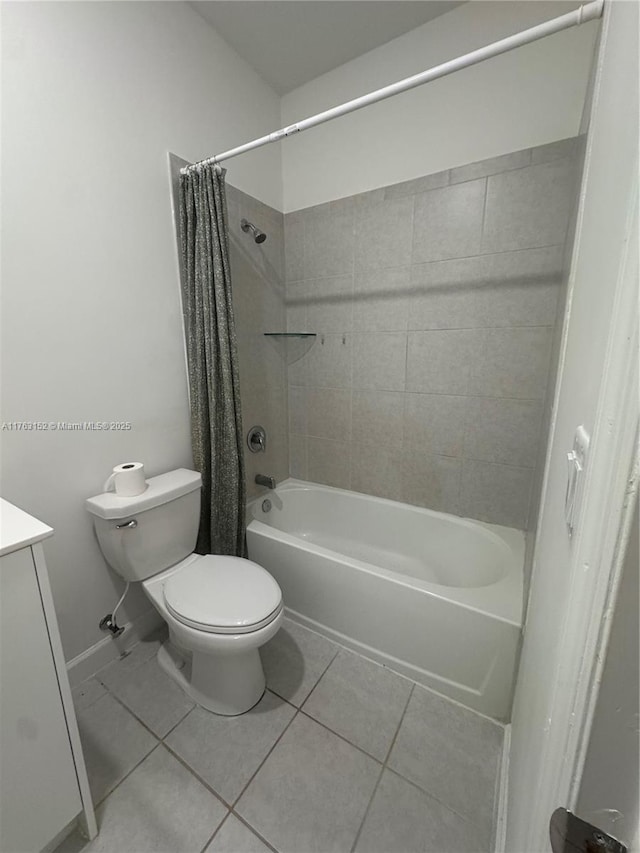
[{"x": 609, "y": 795}]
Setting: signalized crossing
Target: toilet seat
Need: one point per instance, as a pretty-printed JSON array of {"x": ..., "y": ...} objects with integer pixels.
[{"x": 223, "y": 595}]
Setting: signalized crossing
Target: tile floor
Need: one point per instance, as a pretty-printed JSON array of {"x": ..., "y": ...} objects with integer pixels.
[{"x": 339, "y": 755}]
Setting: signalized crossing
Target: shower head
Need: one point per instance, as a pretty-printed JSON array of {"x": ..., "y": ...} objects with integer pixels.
[{"x": 258, "y": 235}]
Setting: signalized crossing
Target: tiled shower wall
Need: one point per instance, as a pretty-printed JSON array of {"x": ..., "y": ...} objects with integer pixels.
[
  {"x": 434, "y": 302},
  {"x": 258, "y": 300}
]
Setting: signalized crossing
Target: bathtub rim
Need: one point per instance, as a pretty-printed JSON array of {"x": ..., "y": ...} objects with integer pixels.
[{"x": 502, "y": 600}]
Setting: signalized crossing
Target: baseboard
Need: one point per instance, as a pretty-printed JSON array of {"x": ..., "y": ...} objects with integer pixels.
[
  {"x": 503, "y": 790},
  {"x": 87, "y": 663}
]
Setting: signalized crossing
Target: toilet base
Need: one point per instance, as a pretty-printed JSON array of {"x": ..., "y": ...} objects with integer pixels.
[{"x": 223, "y": 684}]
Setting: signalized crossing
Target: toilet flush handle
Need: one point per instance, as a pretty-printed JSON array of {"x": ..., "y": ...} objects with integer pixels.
[{"x": 127, "y": 524}]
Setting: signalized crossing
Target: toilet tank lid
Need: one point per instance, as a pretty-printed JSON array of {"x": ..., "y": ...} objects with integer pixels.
[{"x": 161, "y": 489}]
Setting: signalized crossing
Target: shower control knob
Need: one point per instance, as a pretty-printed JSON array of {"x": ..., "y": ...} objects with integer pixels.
[{"x": 257, "y": 439}]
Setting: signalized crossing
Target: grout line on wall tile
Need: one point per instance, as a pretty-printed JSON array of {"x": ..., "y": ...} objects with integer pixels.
[
  {"x": 505, "y": 171},
  {"x": 415, "y": 393},
  {"x": 484, "y": 212}
]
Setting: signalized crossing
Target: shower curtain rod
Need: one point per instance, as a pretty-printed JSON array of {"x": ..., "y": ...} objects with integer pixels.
[{"x": 586, "y": 12}]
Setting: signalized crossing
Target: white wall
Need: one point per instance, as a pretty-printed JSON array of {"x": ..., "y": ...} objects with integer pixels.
[
  {"x": 524, "y": 98},
  {"x": 94, "y": 95},
  {"x": 559, "y": 567}
]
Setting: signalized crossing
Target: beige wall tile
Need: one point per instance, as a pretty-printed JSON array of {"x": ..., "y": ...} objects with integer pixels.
[
  {"x": 381, "y": 299},
  {"x": 376, "y": 418},
  {"x": 329, "y": 462},
  {"x": 379, "y": 360},
  {"x": 529, "y": 207},
  {"x": 434, "y": 341},
  {"x": 434, "y": 423},
  {"x": 439, "y": 362},
  {"x": 495, "y": 493},
  {"x": 329, "y": 413},
  {"x": 431, "y": 481},
  {"x": 448, "y": 222},
  {"x": 330, "y": 304},
  {"x": 377, "y": 473},
  {"x": 512, "y": 363},
  {"x": 505, "y": 431},
  {"x": 298, "y": 456},
  {"x": 383, "y": 234},
  {"x": 329, "y": 361}
]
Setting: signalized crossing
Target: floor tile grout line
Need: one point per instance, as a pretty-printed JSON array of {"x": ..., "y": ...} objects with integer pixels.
[
  {"x": 399, "y": 726},
  {"x": 215, "y": 832},
  {"x": 246, "y": 823},
  {"x": 283, "y": 698},
  {"x": 382, "y": 769},
  {"x": 181, "y": 720},
  {"x": 262, "y": 763},
  {"x": 197, "y": 776},
  {"x": 367, "y": 810},
  {"x": 320, "y": 677},
  {"x": 134, "y": 715},
  {"x": 414, "y": 684},
  {"x": 160, "y": 742},
  {"x": 139, "y": 719},
  {"x": 338, "y": 735},
  {"x": 432, "y": 796},
  {"x": 231, "y": 807},
  {"x": 98, "y": 803},
  {"x": 242, "y": 820}
]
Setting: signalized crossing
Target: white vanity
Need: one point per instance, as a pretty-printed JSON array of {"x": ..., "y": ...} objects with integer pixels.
[{"x": 43, "y": 781}]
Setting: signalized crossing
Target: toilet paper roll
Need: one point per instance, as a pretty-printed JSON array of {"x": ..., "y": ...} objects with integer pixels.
[{"x": 127, "y": 479}]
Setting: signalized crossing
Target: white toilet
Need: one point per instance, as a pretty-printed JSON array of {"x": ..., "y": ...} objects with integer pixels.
[{"x": 219, "y": 610}]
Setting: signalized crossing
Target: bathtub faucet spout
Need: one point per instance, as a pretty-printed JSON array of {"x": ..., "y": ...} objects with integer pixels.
[{"x": 262, "y": 480}]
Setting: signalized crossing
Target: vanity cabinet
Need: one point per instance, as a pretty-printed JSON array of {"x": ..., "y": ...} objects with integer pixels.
[{"x": 43, "y": 780}]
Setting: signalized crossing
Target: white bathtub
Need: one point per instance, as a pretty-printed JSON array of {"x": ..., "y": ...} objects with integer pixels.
[{"x": 435, "y": 597}]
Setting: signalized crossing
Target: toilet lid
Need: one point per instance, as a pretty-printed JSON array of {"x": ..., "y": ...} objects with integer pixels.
[{"x": 226, "y": 595}]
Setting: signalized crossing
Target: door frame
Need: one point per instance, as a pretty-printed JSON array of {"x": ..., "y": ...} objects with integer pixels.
[
  {"x": 611, "y": 486},
  {"x": 618, "y": 419}
]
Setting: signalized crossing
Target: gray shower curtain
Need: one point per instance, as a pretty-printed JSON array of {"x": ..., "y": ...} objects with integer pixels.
[{"x": 216, "y": 419}]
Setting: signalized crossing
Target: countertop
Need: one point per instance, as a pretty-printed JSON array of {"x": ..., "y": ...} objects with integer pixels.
[{"x": 18, "y": 529}]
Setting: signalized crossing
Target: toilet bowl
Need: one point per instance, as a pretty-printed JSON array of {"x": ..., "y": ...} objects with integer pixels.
[{"x": 219, "y": 609}]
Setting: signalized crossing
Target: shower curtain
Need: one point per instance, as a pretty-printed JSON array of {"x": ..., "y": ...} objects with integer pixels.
[{"x": 216, "y": 419}]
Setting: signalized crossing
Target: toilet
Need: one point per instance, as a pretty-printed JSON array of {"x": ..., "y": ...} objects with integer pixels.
[{"x": 219, "y": 609}]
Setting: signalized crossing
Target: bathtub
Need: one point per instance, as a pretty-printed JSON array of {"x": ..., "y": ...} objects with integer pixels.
[{"x": 435, "y": 597}]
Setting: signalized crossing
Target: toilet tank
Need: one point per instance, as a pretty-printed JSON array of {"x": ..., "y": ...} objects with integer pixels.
[{"x": 166, "y": 516}]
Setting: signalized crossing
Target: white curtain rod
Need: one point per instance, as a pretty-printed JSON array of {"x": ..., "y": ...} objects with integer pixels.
[{"x": 586, "y": 12}]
